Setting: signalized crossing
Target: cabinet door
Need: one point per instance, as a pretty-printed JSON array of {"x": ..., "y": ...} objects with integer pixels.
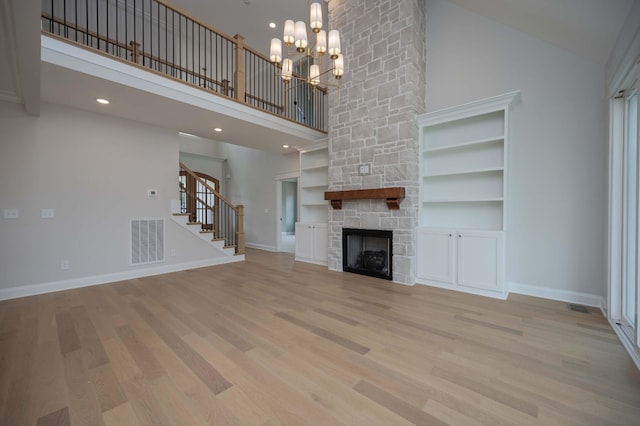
[
  {"x": 480, "y": 259},
  {"x": 320, "y": 242},
  {"x": 304, "y": 240},
  {"x": 435, "y": 259}
]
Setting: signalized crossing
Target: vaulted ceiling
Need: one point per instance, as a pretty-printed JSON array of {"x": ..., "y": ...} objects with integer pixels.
[{"x": 587, "y": 28}]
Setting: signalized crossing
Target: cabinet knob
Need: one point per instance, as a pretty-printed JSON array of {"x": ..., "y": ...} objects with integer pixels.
[
  {"x": 459, "y": 236},
  {"x": 449, "y": 234}
]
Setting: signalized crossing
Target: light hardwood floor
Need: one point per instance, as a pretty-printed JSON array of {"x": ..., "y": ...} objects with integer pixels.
[{"x": 271, "y": 341}]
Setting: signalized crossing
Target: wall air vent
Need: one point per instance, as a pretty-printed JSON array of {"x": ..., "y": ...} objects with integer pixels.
[{"x": 147, "y": 241}]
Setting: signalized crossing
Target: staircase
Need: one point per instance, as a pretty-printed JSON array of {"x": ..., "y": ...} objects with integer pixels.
[{"x": 223, "y": 224}]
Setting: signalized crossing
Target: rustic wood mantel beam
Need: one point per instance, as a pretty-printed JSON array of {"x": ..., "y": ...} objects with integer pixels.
[{"x": 393, "y": 196}]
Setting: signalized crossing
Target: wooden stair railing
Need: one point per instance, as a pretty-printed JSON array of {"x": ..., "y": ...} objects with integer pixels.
[
  {"x": 228, "y": 223},
  {"x": 163, "y": 39}
]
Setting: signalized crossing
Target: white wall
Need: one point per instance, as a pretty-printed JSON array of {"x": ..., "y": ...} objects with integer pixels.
[
  {"x": 252, "y": 183},
  {"x": 94, "y": 171},
  {"x": 557, "y": 179}
]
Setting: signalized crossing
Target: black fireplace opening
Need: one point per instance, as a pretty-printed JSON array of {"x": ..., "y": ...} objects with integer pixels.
[{"x": 367, "y": 252}]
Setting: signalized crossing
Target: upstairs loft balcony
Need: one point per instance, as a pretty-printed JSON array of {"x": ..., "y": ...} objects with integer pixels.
[{"x": 155, "y": 36}]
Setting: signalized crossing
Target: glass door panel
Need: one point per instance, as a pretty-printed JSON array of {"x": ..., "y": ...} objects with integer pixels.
[{"x": 630, "y": 219}]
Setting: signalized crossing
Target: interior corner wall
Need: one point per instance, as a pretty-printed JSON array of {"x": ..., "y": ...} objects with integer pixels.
[
  {"x": 626, "y": 51},
  {"x": 252, "y": 183},
  {"x": 556, "y": 198},
  {"x": 94, "y": 171}
]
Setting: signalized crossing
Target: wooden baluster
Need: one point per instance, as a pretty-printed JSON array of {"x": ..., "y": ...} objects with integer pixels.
[
  {"x": 225, "y": 87},
  {"x": 239, "y": 73},
  {"x": 135, "y": 51},
  {"x": 240, "y": 230}
]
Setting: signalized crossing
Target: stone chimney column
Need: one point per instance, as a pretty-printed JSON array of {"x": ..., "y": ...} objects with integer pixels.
[{"x": 372, "y": 120}]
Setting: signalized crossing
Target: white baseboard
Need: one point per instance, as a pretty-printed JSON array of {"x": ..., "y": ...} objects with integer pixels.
[
  {"x": 35, "y": 289},
  {"x": 261, "y": 247},
  {"x": 463, "y": 289},
  {"x": 555, "y": 294}
]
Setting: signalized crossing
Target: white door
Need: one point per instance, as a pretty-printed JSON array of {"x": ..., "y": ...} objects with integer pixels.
[
  {"x": 436, "y": 255},
  {"x": 480, "y": 259}
]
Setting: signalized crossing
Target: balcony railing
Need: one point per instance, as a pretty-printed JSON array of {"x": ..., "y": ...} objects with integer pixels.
[{"x": 156, "y": 36}]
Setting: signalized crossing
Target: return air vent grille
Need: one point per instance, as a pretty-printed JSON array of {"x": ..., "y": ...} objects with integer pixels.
[{"x": 147, "y": 241}]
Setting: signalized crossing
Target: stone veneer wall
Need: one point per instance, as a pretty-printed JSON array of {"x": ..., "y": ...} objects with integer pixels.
[{"x": 372, "y": 120}]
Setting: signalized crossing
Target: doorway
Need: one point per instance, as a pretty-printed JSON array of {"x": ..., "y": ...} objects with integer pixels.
[{"x": 287, "y": 214}]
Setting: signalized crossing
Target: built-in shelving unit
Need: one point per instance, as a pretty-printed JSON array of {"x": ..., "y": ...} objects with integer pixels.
[
  {"x": 463, "y": 195},
  {"x": 314, "y": 181},
  {"x": 311, "y": 230}
]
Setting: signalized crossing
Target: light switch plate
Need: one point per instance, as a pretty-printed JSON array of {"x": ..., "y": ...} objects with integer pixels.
[
  {"x": 47, "y": 213},
  {"x": 11, "y": 213}
]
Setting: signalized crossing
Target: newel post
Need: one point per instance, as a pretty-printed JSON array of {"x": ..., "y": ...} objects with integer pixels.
[
  {"x": 240, "y": 230},
  {"x": 239, "y": 73}
]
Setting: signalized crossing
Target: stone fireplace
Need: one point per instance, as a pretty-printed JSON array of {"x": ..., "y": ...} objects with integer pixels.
[{"x": 373, "y": 134}]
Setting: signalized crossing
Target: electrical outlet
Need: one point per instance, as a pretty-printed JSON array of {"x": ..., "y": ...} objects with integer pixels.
[
  {"x": 11, "y": 213},
  {"x": 64, "y": 265},
  {"x": 47, "y": 213}
]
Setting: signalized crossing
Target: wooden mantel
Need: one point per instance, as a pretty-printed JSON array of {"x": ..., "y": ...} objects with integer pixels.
[{"x": 393, "y": 196}]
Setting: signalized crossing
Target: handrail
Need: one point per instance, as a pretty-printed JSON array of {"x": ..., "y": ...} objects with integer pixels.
[
  {"x": 128, "y": 49},
  {"x": 209, "y": 207},
  {"x": 228, "y": 226},
  {"x": 206, "y": 185},
  {"x": 173, "y": 43}
]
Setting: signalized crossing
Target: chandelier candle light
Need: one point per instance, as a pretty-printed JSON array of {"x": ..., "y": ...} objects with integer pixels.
[{"x": 295, "y": 35}]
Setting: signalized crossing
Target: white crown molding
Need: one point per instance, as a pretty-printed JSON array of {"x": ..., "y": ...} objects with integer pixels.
[{"x": 482, "y": 106}]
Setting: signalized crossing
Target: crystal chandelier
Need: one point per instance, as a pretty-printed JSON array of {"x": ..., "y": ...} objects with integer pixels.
[{"x": 295, "y": 36}]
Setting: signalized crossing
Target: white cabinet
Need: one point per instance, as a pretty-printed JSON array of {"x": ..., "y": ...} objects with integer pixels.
[
  {"x": 463, "y": 188},
  {"x": 311, "y": 242},
  {"x": 436, "y": 255},
  {"x": 480, "y": 260},
  {"x": 461, "y": 259}
]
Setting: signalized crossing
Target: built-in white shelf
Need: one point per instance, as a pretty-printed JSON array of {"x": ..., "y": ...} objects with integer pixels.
[
  {"x": 464, "y": 145},
  {"x": 463, "y": 171},
  {"x": 462, "y": 200},
  {"x": 317, "y": 167},
  {"x": 428, "y": 175},
  {"x": 313, "y": 183}
]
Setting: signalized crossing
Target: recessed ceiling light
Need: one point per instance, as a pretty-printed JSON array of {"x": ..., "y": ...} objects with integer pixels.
[
  {"x": 272, "y": 24},
  {"x": 217, "y": 129},
  {"x": 285, "y": 146},
  {"x": 102, "y": 101}
]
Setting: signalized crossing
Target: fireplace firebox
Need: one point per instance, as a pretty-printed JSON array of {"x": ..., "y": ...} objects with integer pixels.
[{"x": 367, "y": 252}]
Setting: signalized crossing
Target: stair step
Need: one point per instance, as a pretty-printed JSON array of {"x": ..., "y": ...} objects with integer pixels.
[
  {"x": 194, "y": 223},
  {"x": 206, "y": 231},
  {"x": 218, "y": 239},
  {"x": 231, "y": 246},
  {"x": 181, "y": 214}
]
